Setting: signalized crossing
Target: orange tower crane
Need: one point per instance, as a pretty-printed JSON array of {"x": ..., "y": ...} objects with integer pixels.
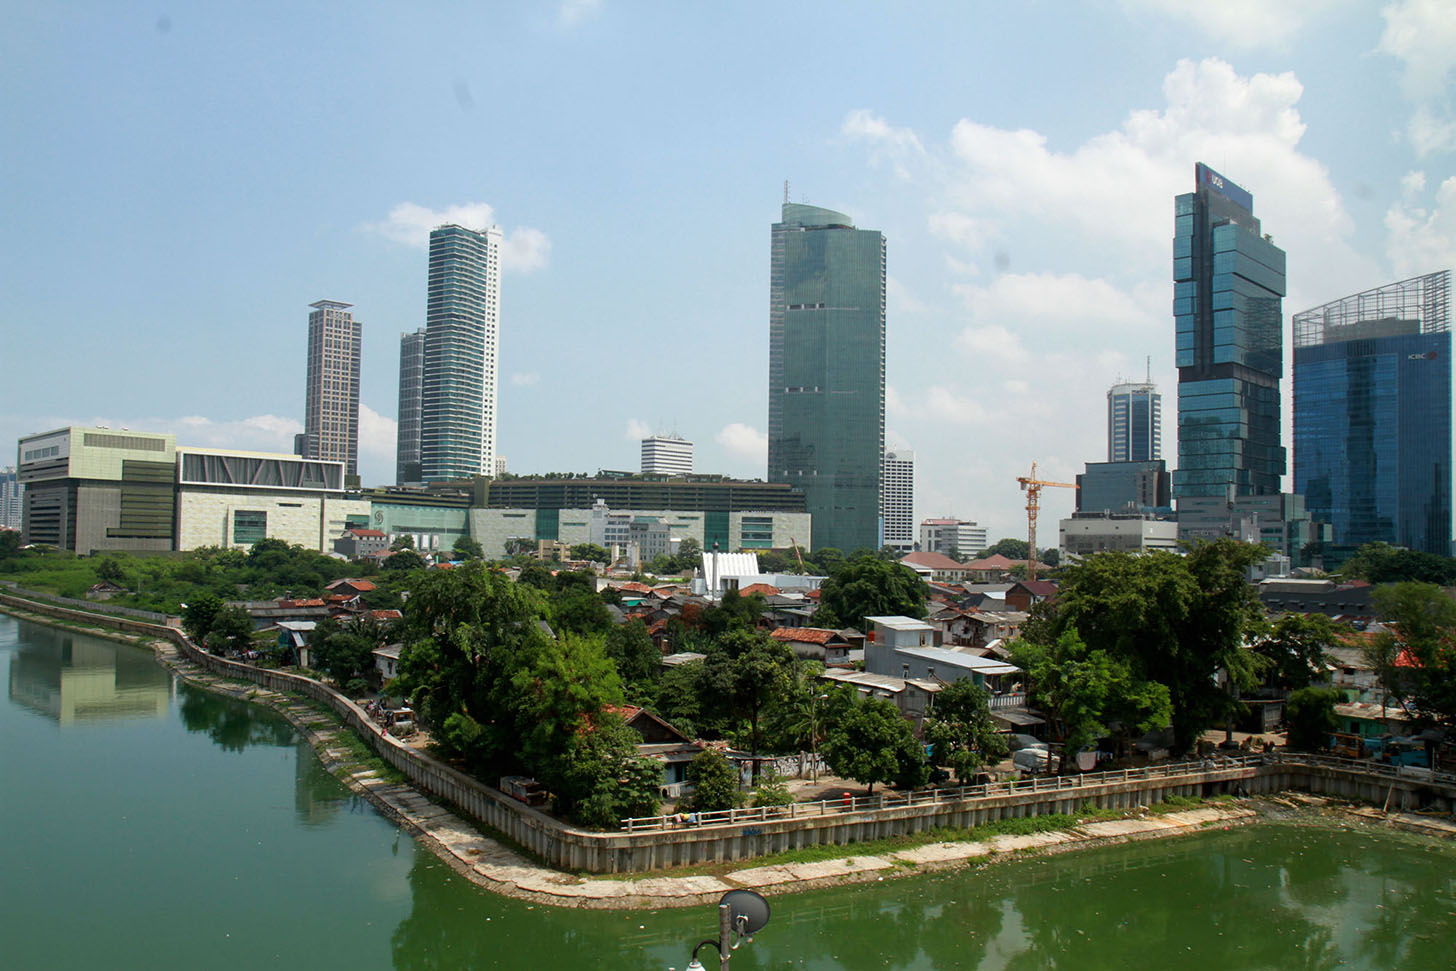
[{"x": 1033, "y": 486}]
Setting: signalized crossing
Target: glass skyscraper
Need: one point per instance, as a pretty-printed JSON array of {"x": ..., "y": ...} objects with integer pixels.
[
  {"x": 1134, "y": 423},
  {"x": 1372, "y": 414},
  {"x": 331, "y": 392},
  {"x": 411, "y": 391},
  {"x": 462, "y": 321},
  {"x": 1228, "y": 279},
  {"x": 826, "y": 371}
]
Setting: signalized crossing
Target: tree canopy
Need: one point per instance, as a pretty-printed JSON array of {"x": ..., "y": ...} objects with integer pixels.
[
  {"x": 1416, "y": 658},
  {"x": 1175, "y": 620},
  {"x": 871, "y": 742},
  {"x": 961, "y": 731},
  {"x": 870, "y": 587},
  {"x": 1383, "y": 563}
]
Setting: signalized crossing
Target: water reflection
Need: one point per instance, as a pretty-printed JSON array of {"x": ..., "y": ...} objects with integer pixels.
[
  {"x": 234, "y": 725},
  {"x": 74, "y": 678}
]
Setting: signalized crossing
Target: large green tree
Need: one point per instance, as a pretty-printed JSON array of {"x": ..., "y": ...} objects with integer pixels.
[
  {"x": 715, "y": 782},
  {"x": 1295, "y": 649},
  {"x": 749, "y": 672},
  {"x": 961, "y": 731},
  {"x": 1310, "y": 716},
  {"x": 467, "y": 632},
  {"x": 1416, "y": 655},
  {"x": 1177, "y": 620},
  {"x": 1383, "y": 563},
  {"x": 871, "y": 742},
  {"x": 870, "y": 587},
  {"x": 1089, "y": 690},
  {"x": 632, "y": 651}
]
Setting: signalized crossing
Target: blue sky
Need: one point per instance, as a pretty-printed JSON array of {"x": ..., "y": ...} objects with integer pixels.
[{"x": 180, "y": 183}]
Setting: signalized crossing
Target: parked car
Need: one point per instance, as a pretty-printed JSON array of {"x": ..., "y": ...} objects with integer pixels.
[{"x": 1033, "y": 759}]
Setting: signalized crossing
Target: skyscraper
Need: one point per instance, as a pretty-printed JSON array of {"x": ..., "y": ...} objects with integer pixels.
[
  {"x": 1228, "y": 281},
  {"x": 411, "y": 390},
  {"x": 826, "y": 371},
  {"x": 898, "y": 500},
  {"x": 462, "y": 321},
  {"x": 1372, "y": 414},
  {"x": 331, "y": 391},
  {"x": 666, "y": 455},
  {"x": 12, "y": 499},
  {"x": 1134, "y": 423}
]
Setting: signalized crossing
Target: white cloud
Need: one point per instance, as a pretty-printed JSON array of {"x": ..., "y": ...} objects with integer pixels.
[
  {"x": 524, "y": 379},
  {"x": 573, "y": 12},
  {"x": 1069, "y": 301},
  {"x": 899, "y": 300},
  {"x": 377, "y": 439},
  {"x": 523, "y": 249},
  {"x": 1422, "y": 238},
  {"x": 744, "y": 442},
  {"x": 898, "y": 146},
  {"x": 1242, "y": 23},
  {"x": 637, "y": 430},
  {"x": 271, "y": 433},
  {"x": 1421, "y": 34},
  {"x": 994, "y": 341}
]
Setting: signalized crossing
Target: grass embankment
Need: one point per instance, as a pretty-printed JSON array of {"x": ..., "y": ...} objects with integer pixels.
[{"x": 1022, "y": 826}]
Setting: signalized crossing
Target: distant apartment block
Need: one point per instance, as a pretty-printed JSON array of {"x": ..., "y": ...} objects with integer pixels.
[
  {"x": 331, "y": 388},
  {"x": 12, "y": 499},
  {"x": 667, "y": 455},
  {"x": 956, "y": 538},
  {"x": 462, "y": 326},
  {"x": 1134, "y": 423},
  {"x": 897, "y": 487}
]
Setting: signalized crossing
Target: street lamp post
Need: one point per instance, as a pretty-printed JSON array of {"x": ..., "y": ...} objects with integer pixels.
[{"x": 814, "y": 736}]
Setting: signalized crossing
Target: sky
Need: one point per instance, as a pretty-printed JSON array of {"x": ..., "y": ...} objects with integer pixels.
[{"x": 180, "y": 182}]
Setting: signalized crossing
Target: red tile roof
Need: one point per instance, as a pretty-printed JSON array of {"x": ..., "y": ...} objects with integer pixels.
[
  {"x": 803, "y": 635},
  {"x": 363, "y": 586},
  {"x": 762, "y": 588},
  {"x": 932, "y": 561},
  {"x": 369, "y": 533}
]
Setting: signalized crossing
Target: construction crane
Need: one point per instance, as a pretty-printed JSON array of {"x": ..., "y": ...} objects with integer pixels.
[
  {"x": 791, "y": 539},
  {"x": 1033, "y": 486}
]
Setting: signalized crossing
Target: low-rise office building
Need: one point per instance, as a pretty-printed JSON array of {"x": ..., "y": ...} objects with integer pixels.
[
  {"x": 232, "y": 499},
  {"x": 1099, "y": 532},
  {"x": 92, "y": 489}
]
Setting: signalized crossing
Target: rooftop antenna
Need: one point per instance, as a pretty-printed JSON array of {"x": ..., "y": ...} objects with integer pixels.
[
  {"x": 1150, "y": 369},
  {"x": 786, "y": 192}
]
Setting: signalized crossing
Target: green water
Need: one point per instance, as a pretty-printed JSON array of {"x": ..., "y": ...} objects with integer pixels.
[{"x": 146, "y": 824}]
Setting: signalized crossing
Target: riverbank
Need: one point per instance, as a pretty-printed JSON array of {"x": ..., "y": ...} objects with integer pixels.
[{"x": 489, "y": 863}]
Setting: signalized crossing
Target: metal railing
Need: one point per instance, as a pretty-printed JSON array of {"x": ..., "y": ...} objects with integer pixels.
[
  {"x": 897, "y": 800},
  {"x": 1012, "y": 700},
  {"x": 95, "y": 606},
  {"x": 1412, "y": 773}
]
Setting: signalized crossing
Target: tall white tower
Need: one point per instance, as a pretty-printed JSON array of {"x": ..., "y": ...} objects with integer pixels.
[{"x": 897, "y": 500}]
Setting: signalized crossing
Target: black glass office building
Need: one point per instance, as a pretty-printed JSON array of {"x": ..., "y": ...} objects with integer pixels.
[
  {"x": 1228, "y": 280},
  {"x": 826, "y": 399},
  {"x": 1372, "y": 414}
]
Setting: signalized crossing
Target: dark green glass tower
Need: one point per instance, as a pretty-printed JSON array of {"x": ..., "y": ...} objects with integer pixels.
[
  {"x": 1228, "y": 281},
  {"x": 826, "y": 371}
]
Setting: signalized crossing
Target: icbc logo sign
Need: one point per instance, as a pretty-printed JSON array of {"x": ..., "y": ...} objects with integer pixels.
[{"x": 1428, "y": 356}]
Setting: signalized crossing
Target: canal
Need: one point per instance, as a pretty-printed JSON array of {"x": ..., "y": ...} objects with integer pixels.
[{"x": 145, "y": 823}]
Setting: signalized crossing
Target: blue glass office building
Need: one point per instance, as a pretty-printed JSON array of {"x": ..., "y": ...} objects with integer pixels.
[
  {"x": 826, "y": 371},
  {"x": 1228, "y": 280},
  {"x": 1372, "y": 414}
]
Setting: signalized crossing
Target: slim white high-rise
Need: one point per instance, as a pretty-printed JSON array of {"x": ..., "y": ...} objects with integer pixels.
[
  {"x": 897, "y": 499},
  {"x": 462, "y": 325},
  {"x": 1134, "y": 423},
  {"x": 667, "y": 455},
  {"x": 331, "y": 393}
]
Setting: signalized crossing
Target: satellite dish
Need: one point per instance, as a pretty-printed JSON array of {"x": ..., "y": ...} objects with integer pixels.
[{"x": 748, "y": 910}]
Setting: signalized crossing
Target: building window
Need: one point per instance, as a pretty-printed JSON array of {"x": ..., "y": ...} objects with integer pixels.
[{"x": 249, "y": 526}]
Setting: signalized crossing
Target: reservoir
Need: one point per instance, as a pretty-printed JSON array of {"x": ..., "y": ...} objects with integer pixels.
[{"x": 145, "y": 823}]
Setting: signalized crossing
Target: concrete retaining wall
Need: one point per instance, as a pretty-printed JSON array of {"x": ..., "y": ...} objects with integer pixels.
[{"x": 572, "y": 849}]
